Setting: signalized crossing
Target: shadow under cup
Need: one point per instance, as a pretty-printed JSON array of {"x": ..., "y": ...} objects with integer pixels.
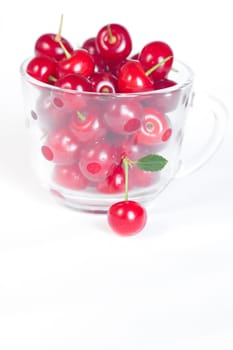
[{"x": 78, "y": 139}]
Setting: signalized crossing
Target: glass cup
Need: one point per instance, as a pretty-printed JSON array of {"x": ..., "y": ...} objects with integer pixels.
[{"x": 79, "y": 139}]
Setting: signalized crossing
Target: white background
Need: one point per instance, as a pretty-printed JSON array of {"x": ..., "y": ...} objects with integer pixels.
[{"x": 67, "y": 281}]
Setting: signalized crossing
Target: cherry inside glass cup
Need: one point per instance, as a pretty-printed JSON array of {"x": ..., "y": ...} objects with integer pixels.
[{"x": 79, "y": 139}]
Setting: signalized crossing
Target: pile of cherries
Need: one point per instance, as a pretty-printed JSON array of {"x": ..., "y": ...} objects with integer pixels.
[{"x": 89, "y": 128}]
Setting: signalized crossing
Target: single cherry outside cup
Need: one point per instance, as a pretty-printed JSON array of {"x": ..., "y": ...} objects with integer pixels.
[{"x": 128, "y": 217}]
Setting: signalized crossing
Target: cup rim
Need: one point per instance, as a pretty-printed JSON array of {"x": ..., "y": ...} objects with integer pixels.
[{"x": 182, "y": 84}]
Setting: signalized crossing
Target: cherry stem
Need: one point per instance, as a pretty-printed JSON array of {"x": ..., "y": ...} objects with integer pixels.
[
  {"x": 58, "y": 36},
  {"x": 81, "y": 116},
  {"x": 152, "y": 69},
  {"x": 112, "y": 38},
  {"x": 105, "y": 90},
  {"x": 52, "y": 79},
  {"x": 126, "y": 168},
  {"x": 66, "y": 52}
]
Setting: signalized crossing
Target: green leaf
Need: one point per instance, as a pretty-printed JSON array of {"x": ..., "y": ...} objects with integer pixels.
[{"x": 151, "y": 162}]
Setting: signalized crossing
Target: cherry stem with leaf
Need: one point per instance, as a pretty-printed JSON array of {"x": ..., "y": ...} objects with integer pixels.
[{"x": 150, "y": 162}]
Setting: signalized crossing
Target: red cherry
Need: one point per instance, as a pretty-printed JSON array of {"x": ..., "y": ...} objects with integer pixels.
[
  {"x": 75, "y": 82},
  {"x": 142, "y": 178},
  {"x": 70, "y": 101},
  {"x": 127, "y": 217},
  {"x": 104, "y": 82},
  {"x": 113, "y": 42},
  {"x": 135, "y": 56},
  {"x": 48, "y": 45},
  {"x": 69, "y": 176},
  {"x": 114, "y": 67},
  {"x": 132, "y": 78},
  {"x": 87, "y": 125},
  {"x": 61, "y": 147},
  {"x": 90, "y": 46},
  {"x": 163, "y": 83},
  {"x": 130, "y": 149},
  {"x": 99, "y": 64},
  {"x": 49, "y": 116},
  {"x": 153, "y": 54},
  {"x": 41, "y": 68},
  {"x": 123, "y": 117},
  {"x": 114, "y": 182},
  {"x": 164, "y": 101},
  {"x": 79, "y": 62},
  {"x": 96, "y": 160},
  {"x": 155, "y": 128},
  {"x": 115, "y": 139}
]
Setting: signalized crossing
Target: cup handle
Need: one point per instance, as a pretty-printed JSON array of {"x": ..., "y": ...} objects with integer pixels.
[{"x": 209, "y": 109}]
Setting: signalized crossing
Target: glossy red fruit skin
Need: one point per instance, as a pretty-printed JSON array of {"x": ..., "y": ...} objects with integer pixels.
[
  {"x": 163, "y": 83},
  {"x": 67, "y": 101},
  {"x": 123, "y": 117},
  {"x": 142, "y": 178},
  {"x": 69, "y": 176},
  {"x": 41, "y": 68},
  {"x": 87, "y": 124},
  {"x": 104, "y": 82},
  {"x": 47, "y": 45},
  {"x": 90, "y": 46},
  {"x": 164, "y": 101},
  {"x": 114, "y": 67},
  {"x": 99, "y": 64},
  {"x": 114, "y": 182},
  {"x": 117, "y": 49},
  {"x": 132, "y": 78},
  {"x": 152, "y": 54},
  {"x": 49, "y": 117},
  {"x": 127, "y": 217},
  {"x": 155, "y": 128},
  {"x": 80, "y": 62},
  {"x": 75, "y": 82},
  {"x": 96, "y": 160},
  {"x": 61, "y": 147},
  {"x": 135, "y": 56},
  {"x": 133, "y": 150},
  {"x": 116, "y": 140}
]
